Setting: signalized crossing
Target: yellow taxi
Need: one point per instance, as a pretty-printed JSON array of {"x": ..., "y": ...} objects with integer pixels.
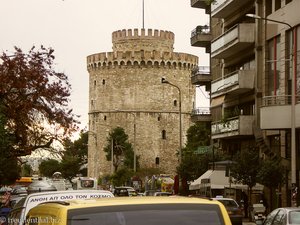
[{"x": 151, "y": 210}]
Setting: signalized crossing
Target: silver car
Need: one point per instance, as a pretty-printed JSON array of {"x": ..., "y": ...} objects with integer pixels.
[{"x": 283, "y": 216}]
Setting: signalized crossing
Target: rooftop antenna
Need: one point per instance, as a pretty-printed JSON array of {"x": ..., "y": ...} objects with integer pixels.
[{"x": 143, "y": 14}]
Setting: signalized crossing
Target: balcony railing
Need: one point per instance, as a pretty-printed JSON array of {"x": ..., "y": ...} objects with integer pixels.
[
  {"x": 233, "y": 41},
  {"x": 236, "y": 126},
  {"x": 278, "y": 100},
  {"x": 239, "y": 81},
  {"x": 223, "y": 8},
  {"x": 201, "y": 111},
  {"x": 275, "y": 112},
  {"x": 201, "y": 114},
  {"x": 201, "y": 36}
]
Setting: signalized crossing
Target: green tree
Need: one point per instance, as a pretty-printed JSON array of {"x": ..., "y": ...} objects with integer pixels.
[
  {"x": 48, "y": 167},
  {"x": 246, "y": 167},
  {"x": 74, "y": 158},
  {"x": 26, "y": 170},
  {"x": 122, "y": 177},
  {"x": 271, "y": 175},
  {"x": 9, "y": 167},
  {"x": 122, "y": 149},
  {"x": 197, "y": 135},
  {"x": 34, "y": 97}
]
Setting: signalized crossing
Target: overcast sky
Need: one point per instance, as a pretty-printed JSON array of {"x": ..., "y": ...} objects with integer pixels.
[{"x": 78, "y": 28}]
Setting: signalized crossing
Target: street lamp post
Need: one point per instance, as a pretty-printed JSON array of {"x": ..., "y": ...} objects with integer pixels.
[
  {"x": 164, "y": 81},
  {"x": 293, "y": 103}
]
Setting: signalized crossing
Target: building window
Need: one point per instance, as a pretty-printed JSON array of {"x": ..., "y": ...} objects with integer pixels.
[
  {"x": 296, "y": 59},
  {"x": 164, "y": 134},
  {"x": 268, "y": 7},
  {"x": 275, "y": 144},
  {"x": 158, "y": 118},
  {"x": 103, "y": 81},
  {"x": 277, "y": 4},
  {"x": 274, "y": 66},
  {"x": 95, "y": 83},
  {"x": 288, "y": 145},
  {"x": 104, "y": 118}
]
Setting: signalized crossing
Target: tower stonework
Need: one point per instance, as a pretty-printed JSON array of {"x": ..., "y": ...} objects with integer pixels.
[{"x": 125, "y": 90}]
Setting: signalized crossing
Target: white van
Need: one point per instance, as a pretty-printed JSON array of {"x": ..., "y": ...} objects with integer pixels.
[{"x": 18, "y": 214}]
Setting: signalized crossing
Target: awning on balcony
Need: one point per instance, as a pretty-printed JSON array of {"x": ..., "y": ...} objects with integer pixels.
[{"x": 217, "y": 101}]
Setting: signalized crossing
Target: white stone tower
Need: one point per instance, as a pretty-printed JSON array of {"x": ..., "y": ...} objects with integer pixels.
[{"x": 126, "y": 91}]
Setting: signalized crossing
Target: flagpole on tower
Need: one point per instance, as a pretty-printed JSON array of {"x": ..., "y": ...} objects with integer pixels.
[{"x": 143, "y": 15}]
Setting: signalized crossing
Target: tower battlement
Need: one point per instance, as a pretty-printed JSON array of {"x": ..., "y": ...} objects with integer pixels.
[
  {"x": 141, "y": 58},
  {"x": 136, "y": 39},
  {"x": 137, "y": 34}
]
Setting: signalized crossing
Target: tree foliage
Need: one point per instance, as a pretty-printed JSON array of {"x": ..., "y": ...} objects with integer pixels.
[
  {"x": 34, "y": 97},
  {"x": 246, "y": 167},
  {"x": 121, "y": 177},
  {"x": 75, "y": 156},
  {"x": 122, "y": 149},
  {"x": 9, "y": 166},
  {"x": 48, "y": 167},
  {"x": 192, "y": 164},
  {"x": 26, "y": 170},
  {"x": 271, "y": 173}
]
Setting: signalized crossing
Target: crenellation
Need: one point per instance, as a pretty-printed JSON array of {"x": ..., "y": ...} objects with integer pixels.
[
  {"x": 154, "y": 34},
  {"x": 138, "y": 56}
]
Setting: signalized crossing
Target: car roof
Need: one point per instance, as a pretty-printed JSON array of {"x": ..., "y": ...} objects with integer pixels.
[
  {"x": 34, "y": 199},
  {"x": 62, "y": 208},
  {"x": 73, "y": 204}
]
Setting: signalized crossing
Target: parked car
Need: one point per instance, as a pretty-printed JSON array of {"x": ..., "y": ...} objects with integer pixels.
[
  {"x": 125, "y": 191},
  {"x": 233, "y": 209},
  {"x": 18, "y": 213},
  {"x": 150, "y": 210},
  {"x": 283, "y": 216}
]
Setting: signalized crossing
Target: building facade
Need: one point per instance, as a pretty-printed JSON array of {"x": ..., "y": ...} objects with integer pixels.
[
  {"x": 126, "y": 90},
  {"x": 254, "y": 63}
]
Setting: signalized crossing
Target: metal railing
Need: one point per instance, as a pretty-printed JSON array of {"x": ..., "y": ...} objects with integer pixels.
[
  {"x": 205, "y": 29},
  {"x": 201, "y": 111},
  {"x": 278, "y": 100}
]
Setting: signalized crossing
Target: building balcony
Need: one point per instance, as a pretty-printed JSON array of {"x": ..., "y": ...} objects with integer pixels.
[
  {"x": 201, "y": 37},
  {"x": 233, "y": 127},
  {"x": 202, "y": 77},
  {"x": 275, "y": 112},
  {"x": 224, "y": 8},
  {"x": 201, "y": 4},
  {"x": 238, "y": 82},
  {"x": 233, "y": 41},
  {"x": 201, "y": 114}
]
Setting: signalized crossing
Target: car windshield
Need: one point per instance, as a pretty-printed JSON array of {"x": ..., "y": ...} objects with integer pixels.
[
  {"x": 164, "y": 214},
  {"x": 294, "y": 217}
]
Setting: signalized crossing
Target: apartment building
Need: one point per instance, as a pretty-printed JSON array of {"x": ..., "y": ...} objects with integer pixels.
[{"x": 254, "y": 50}]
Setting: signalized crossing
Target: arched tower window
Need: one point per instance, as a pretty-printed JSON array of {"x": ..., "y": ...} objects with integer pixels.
[
  {"x": 104, "y": 118},
  {"x": 103, "y": 81},
  {"x": 164, "y": 134},
  {"x": 95, "y": 83},
  {"x": 157, "y": 161},
  {"x": 175, "y": 103}
]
